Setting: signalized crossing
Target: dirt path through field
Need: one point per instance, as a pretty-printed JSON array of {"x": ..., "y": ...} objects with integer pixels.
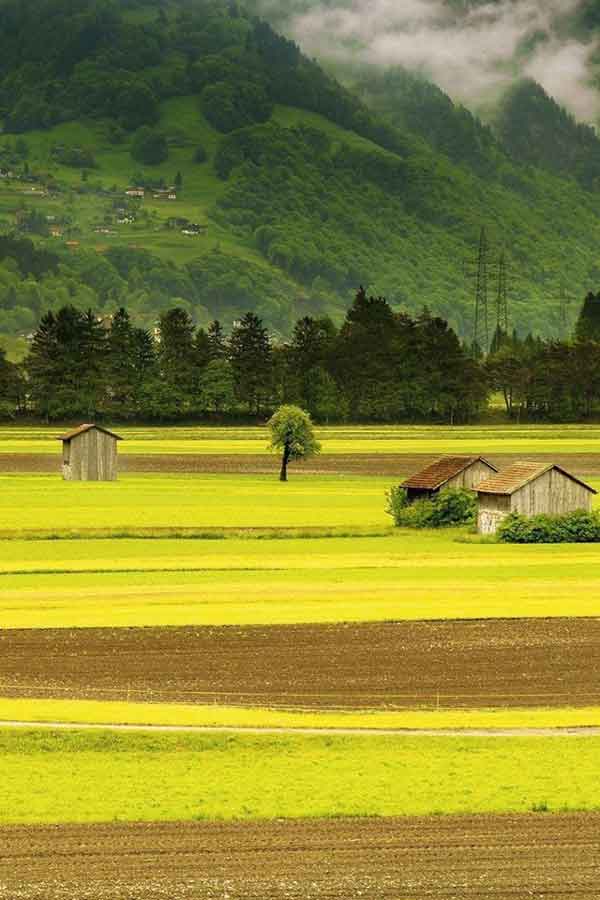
[
  {"x": 466, "y": 664},
  {"x": 383, "y": 464},
  {"x": 440, "y": 858},
  {"x": 581, "y": 732}
]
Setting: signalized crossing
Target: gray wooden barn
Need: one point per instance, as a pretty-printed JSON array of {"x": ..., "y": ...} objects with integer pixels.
[
  {"x": 531, "y": 489},
  {"x": 448, "y": 472},
  {"x": 89, "y": 454}
]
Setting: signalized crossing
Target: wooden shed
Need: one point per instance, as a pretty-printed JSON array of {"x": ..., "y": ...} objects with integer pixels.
[
  {"x": 448, "y": 472},
  {"x": 531, "y": 489},
  {"x": 89, "y": 454}
]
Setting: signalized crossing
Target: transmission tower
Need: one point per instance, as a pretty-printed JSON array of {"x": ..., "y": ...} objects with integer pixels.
[
  {"x": 502, "y": 298},
  {"x": 564, "y": 300},
  {"x": 481, "y": 325}
]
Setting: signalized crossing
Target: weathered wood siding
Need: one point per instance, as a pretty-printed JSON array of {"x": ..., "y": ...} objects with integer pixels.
[
  {"x": 492, "y": 509},
  {"x": 471, "y": 477},
  {"x": 553, "y": 494},
  {"x": 91, "y": 456}
]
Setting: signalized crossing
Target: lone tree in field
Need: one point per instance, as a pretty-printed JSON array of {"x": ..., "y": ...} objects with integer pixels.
[{"x": 292, "y": 433}]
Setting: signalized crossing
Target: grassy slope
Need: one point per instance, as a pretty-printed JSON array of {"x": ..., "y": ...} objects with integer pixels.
[
  {"x": 201, "y": 186},
  {"x": 54, "y": 777},
  {"x": 406, "y": 576},
  {"x": 140, "y": 713},
  {"x": 430, "y": 251}
]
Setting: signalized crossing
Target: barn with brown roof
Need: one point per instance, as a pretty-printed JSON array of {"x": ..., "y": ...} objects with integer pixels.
[
  {"x": 531, "y": 489},
  {"x": 89, "y": 454},
  {"x": 448, "y": 472}
]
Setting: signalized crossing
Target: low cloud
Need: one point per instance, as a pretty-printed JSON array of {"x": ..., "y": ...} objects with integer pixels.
[{"x": 473, "y": 55}]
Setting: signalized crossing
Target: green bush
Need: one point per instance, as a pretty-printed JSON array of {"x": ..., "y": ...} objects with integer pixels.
[
  {"x": 450, "y": 507},
  {"x": 397, "y": 502},
  {"x": 575, "y": 528},
  {"x": 149, "y": 147}
]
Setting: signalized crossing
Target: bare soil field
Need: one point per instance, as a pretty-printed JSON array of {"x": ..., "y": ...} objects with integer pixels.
[
  {"x": 466, "y": 664},
  {"x": 440, "y": 858},
  {"x": 382, "y": 464}
]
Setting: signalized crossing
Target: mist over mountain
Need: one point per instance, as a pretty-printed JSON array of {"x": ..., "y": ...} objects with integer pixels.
[{"x": 473, "y": 50}]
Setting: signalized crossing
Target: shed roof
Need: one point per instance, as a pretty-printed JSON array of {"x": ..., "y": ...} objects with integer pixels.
[
  {"x": 519, "y": 474},
  {"x": 83, "y": 428},
  {"x": 442, "y": 470}
]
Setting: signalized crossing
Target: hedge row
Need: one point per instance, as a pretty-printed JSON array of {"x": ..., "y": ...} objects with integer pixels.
[{"x": 575, "y": 528}]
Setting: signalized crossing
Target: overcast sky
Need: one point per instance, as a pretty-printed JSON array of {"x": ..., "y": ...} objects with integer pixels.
[{"x": 473, "y": 57}]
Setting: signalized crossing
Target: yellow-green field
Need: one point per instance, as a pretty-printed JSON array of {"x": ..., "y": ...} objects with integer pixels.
[
  {"x": 409, "y": 575},
  {"x": 563, "y": 439},
  {"x": 38, "y": 502},
  {"x": 107, "y": 712},
  {"x": 104, "y": 776}
]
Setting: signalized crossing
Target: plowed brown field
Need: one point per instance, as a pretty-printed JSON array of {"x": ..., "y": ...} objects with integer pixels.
[
  {"x": 466, "y": 858},
  {"x": 393, "y": 464},
  {"x": 527, "y": 662}
]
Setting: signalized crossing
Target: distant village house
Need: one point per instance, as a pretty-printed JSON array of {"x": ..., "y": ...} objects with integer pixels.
[{"x": 166, "y": 194}]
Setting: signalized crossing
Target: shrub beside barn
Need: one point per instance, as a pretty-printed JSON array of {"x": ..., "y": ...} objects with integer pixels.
[
  {"x": 449, "y": 472},
  {"x": 530, "y": 489}
]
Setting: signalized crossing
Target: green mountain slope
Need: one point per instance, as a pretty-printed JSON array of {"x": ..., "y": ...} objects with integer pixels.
[{"x": 298, "y": 189}]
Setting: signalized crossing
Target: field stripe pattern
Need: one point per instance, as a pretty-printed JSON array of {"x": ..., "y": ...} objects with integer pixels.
[
  {"x": 466, "y": 858},
  {"x": 392, "y": 665}
]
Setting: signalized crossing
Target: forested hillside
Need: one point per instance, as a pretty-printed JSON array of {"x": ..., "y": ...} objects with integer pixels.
[{"x": 183, "y": 153}]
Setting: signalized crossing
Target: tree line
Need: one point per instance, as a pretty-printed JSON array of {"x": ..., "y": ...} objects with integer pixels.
[
  {"x": 378, "y": 366},
  {"x": 550, "y": 380}
]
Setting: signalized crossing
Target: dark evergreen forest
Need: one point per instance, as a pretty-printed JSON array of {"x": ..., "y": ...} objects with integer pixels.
[{"x": 379, "y": 366}]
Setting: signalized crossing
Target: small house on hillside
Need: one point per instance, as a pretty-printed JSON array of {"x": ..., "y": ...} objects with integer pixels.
[
  {"x": 531, "y": 489},
  {"x": 89, "y": 454},
  {"x": 448, "y": 472}
]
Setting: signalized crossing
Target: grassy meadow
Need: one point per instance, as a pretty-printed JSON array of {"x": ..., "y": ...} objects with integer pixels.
[
  {"x": 319, "y": 549},
  {"x": 110, "y": 712},
  {"x": 38, "y": 502},
  {"x": 403, "y": 439},
  {"x": 123, "y": 580},
  {"x": 104, "y": 776},
  {"x": 410, "y": 575}
]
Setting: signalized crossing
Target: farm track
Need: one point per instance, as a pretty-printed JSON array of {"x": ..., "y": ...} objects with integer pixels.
[
  {"x": 382, "y": 464},
  {"x": 466, "y": 664},
  {"x": 439, "y": 858}
]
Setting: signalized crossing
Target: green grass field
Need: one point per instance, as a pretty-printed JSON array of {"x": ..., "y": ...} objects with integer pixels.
[
  {"x": 171, "y": 501},
  {"x": 394, "y": 574},
  {"x": 106, "y": 712},
  {"x": 410, "y": 575},
  {"x": 102, "y": 776},
  {"x": 475, "y": 439}
]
